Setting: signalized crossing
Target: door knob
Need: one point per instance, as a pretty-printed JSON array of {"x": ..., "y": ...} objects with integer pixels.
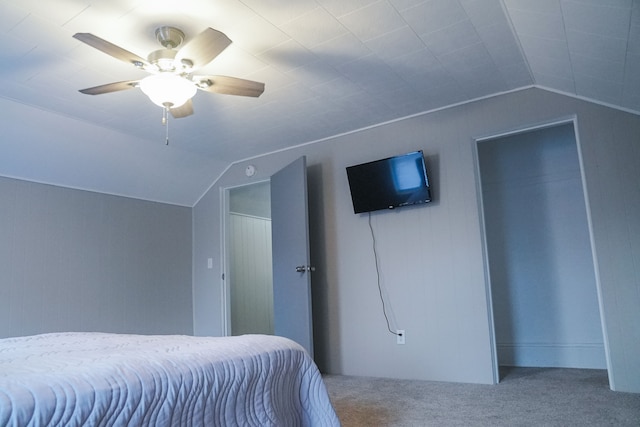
[{"x": 304, "y": 268}]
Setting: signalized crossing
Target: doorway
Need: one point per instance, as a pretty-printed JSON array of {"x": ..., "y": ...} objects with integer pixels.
[
  {"x": 542, "y": 278},
  {"x": 250, "y": 278},
  {"x": 268, "y": 271}
]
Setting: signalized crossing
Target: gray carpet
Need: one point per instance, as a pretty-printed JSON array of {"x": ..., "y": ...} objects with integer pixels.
[{"x": 524, "y": 397}]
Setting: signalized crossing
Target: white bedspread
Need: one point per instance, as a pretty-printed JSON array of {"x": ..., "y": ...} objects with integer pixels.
[{"x": 99, "y": 379}]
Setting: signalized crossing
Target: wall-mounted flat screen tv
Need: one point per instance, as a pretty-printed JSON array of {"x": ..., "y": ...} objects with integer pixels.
[{"x": 389, "y": 183}]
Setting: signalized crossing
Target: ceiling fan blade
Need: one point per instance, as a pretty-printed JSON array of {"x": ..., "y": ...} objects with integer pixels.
[
  {"x": 110, "y": 87},
  {"x": 184, "y": 110},
  {"x": 203, "y": 48},
  {"x": 111, "y": 49},
  {"x": 229, "y": 85}
]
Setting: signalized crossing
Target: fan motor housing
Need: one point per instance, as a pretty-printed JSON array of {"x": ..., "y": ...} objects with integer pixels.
[{"x": 169, "y": 37}]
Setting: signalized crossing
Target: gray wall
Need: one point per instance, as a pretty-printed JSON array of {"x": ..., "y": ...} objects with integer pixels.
[
  {"x": 432, "y": 258},
  {"x": 544, "y": 291},
  {"x": 73, "y": 260}
]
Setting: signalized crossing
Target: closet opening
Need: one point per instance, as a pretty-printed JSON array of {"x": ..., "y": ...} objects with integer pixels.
[{"x": 543, "y": 289}]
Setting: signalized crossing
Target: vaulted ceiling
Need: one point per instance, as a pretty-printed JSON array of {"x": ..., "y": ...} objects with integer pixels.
[{"x": 329, "y": 66}]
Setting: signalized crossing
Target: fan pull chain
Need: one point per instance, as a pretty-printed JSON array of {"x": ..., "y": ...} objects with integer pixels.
[{"x": 165, "y": 122}]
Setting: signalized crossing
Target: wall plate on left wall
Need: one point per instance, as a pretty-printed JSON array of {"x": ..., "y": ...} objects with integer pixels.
[{"x": 250, "y": 170}]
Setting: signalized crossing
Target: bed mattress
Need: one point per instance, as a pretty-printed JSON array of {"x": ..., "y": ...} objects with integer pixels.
[{"x": 100, "y": 379}]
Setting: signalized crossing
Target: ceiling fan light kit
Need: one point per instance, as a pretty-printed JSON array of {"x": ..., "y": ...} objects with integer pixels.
[
  {"x": 171, "y": 84},
  {"x": 168, "y": 90}
]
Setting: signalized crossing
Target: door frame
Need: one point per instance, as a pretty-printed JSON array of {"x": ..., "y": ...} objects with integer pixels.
[
  {"x": 573, "y": 120},
  {"x": 225, "y": 249}
]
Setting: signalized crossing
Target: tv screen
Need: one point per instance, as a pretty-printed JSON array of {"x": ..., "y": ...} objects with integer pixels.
[{"x": 389, "y": 183}]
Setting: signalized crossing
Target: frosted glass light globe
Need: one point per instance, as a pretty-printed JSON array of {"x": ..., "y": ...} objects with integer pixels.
[{"x": 168, "y": 90}]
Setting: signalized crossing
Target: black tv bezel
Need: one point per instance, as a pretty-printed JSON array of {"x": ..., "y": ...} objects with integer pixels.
[{"x": 394, "y": 204}]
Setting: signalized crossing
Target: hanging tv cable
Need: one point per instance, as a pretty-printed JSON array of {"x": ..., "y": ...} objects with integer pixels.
[{"x": 375, "y": 256}]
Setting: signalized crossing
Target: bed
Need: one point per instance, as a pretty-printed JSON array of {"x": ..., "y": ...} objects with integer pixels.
[{"x": 101, "y": 379}]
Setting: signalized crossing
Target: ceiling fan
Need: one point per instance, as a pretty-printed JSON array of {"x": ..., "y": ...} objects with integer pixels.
[{"x": 172, "y": 83}]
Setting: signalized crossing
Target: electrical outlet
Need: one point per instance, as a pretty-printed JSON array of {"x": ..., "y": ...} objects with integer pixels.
[{"x": 400, "y": 337}]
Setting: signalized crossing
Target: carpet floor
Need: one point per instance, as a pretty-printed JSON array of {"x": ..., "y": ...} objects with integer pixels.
[{"x": 524, "y": 397}]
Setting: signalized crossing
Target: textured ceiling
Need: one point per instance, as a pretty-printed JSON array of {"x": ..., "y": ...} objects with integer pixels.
[{"x": 330, "y": 66}]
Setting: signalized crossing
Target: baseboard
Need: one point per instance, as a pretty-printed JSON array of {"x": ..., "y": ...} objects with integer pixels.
[{"x": 574, "y": 355}]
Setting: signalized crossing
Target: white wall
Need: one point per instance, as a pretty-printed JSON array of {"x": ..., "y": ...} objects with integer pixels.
[
  {"x": 432, "y": 256},
  {"x": 250, "y": 275},
  {"x": 73, "y": 260},
  {"x": 544, "y": 291}
]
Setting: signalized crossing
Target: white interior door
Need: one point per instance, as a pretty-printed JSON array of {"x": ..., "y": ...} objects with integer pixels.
[{"x": 291, "y": 263}]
